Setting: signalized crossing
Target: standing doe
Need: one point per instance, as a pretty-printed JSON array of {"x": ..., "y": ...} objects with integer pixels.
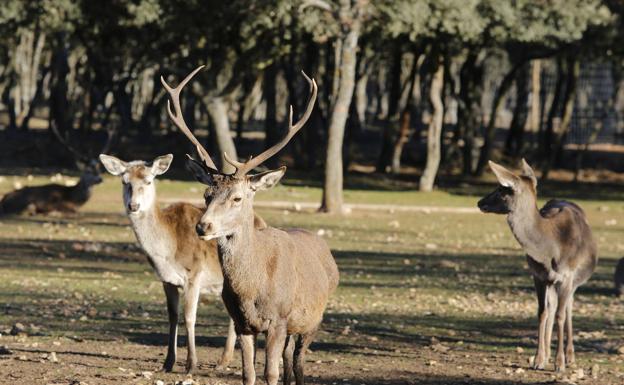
[
  {"x": 276, "y": 282},
  {"x": 179, "y": 258},
  {"x": 561, "y": 253}
]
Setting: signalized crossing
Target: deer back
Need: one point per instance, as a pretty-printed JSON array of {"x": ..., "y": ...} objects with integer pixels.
[{"x": 569, "y": 227}]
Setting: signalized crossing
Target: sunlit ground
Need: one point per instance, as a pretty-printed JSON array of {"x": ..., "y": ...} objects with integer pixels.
[{"x": 423, "y": 298}]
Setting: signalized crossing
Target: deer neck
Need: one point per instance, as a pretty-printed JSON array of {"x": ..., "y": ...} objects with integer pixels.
[
  {"x": 530, "y": 230},
  {"x": 81, "y": 192},
  {"x": 152, "y": 233},
  {"x": 239, "y": 259}
]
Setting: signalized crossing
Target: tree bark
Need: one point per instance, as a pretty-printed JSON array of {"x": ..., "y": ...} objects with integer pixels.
[
  {"x": 332, "y": 187},
  {"x": 434, "y": 131},
  {"x": 574, "y": 69},
  {"x": 57, "y": 103},
  {"x": 515, "y": 137},
  {"x": 490, "y": 131},
  {"x": 469, "y": 107},
  {"x": 387, "y": 143},
  {"x": 217, "y": 110},
  {"x": 405, "y": 120},
  {"x": 536, "y": 84},
  {"x": 27, "y": 61},
  {"x": 272, "y": 131},
  {"x": 546, "y": 142}
]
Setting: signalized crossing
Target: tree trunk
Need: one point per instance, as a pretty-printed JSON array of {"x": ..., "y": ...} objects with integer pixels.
[
  {"x": 434, "y": 131},
  {"x": 490, "y": 131},
  {"x": 27, "y": 59},
  {"x": 548, "y": 134},
  {"x": 404, "y": 125},
  {"x": 536, "y": 71},
  {"x": 361, "y": 101},
  {"x": 515, "y": 137},
  {"x": 387, "y": 142},
  {"x": 469, "y": 107},
  {"x": 57, "y": 102},
  {"x": 332, "y": 189},
  {"x": 574, "y": 69},
  {"x": 272, "y": 130},
  {"x": 217, "y": 110}
]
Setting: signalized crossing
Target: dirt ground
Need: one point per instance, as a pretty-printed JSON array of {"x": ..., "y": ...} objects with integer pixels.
[{"x": 425, "y": 298}]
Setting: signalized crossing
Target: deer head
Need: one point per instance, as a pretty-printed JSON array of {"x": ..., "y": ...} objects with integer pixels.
[
  {"x": 137, "y": 177},
  {"x": 514, "y": 192},
  {"x": 229, "y": 197},
  {"x": 86, "y": 163}
]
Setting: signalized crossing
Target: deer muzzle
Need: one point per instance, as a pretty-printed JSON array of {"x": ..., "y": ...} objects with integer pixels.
[
  {"x": 203, "y": 229},
  {"x": 133, "y": 207}
]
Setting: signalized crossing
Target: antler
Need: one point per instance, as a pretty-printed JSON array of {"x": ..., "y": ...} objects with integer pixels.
[
  {"x": 178, "y": 118},
  {"x": 111, "y": 131},
  {"x": 242, "y": 168},
  {"x": 78, "y": 156}
]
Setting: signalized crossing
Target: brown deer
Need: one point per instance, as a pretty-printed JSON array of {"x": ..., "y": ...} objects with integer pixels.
[
  {"x": 276, "y": 282},
  {"x": 561, "y": 253},
  {"x": 178, "y": 257},
  {"x": 55, "y": 197}
]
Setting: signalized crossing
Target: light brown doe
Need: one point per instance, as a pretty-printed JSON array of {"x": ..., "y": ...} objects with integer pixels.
[
  {"x": 180, "y": 259},
  {"x": 561, "y": 254}
]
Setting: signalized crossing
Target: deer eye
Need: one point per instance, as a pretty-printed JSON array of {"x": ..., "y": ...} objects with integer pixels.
[{"x": 237, "y": 199}]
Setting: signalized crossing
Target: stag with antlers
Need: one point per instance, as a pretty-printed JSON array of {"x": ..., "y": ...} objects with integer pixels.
[
  {"x": 276, "y": 282},
  {"x": 55, "y": 197}
]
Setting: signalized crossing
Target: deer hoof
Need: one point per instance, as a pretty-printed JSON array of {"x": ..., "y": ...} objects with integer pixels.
[
  {"x": 190, "y": 367},
  {"x": 539, "y": 363},
  {"x": 560, "y": 366},
  {"x": 570, "y": 359},
  {"x": 223, "y": 364},
  {"x": 168, "y": 365}
]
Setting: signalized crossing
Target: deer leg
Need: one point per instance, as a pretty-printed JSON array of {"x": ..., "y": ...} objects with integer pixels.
[
  {"x": 565, "y": 291},
  {"x": 301, "y": 347},
  {"x": 287, "y": 356},
  {"x": 248, "y": 352},
  {"x": 191, "y": 298},
  {"x": 228, "y": 350},
  {"x": 275, "y": 340},
  {"x": 570, "y": 334},
  {"x": 551, "y": 306},
  {"x": 173, "y": 301},
  {"x": 542, "y": 316}
]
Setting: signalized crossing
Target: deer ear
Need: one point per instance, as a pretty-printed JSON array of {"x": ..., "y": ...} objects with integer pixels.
[
  {"x": 113, "y": 165},
  {"x": 528, "y": 172},
  {"x": 505, "y": 177},
  {"x": 201, "y": 174},
  {"x": 266, "y": 180},
  {"x": 161, "y": 164}
]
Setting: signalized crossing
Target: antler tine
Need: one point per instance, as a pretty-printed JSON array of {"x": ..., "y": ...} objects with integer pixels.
[
  {"x": 243, "y": 168},
  {"x": 178, "y": 119},
  {"x": 111, "y": 131},
  {"x": 78, "y": 156}
]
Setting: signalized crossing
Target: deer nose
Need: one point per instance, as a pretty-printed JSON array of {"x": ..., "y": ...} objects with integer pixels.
[
  {"x": 201, "y": 228},
  {"x": 133, "y": 207}
]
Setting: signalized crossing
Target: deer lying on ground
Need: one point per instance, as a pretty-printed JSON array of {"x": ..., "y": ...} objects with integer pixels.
[
  {"x": 561, "y": 253},
  {"x": 55, "y": 197},
  {"x": 51, "y": 197},
  {"x": 275, "y": 282},
  {"x": 179, "y": 258}
]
